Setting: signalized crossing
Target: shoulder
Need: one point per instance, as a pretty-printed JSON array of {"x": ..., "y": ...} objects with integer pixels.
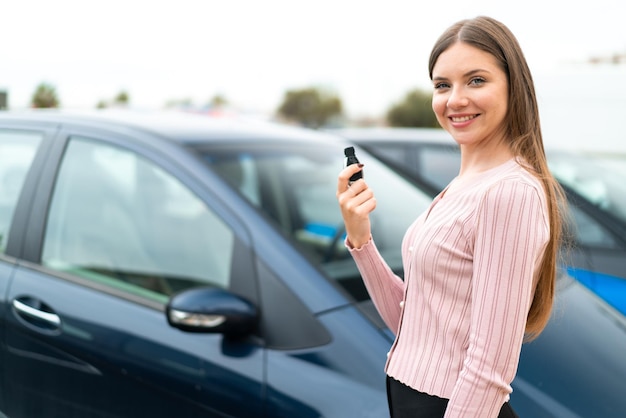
[
  {"x": 513, "y": 194},
  {"x": 513, "y": 180}
]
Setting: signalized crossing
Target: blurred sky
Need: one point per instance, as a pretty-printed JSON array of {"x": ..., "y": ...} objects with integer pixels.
[{"x": 251, "y": 51}]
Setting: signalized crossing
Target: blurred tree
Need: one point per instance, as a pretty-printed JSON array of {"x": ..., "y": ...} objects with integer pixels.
[
  {"x": 311, "y": 107},
  {"x": 45, "y": 96},
  {"x": 122, "y": 98},
  {"x": 4, "y": 101},
  {"x": 218, "y": 101},
  {"x": 415, "y": 110},
  {"x": 615, "y": 58}
]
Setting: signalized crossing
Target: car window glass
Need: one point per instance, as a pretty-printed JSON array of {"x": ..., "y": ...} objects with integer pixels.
[
  {"x": 119, "y": 219},
  {"x": 597, "y": 178},
  {"x": 434, "y": 165},
  {"x": 587, "y": 232},
  {"x": 296, "y": 186},
  {"x": 17, "y": 150},
  {"x": 439, "y": 165},
  {"x": 396, "y": 153}
]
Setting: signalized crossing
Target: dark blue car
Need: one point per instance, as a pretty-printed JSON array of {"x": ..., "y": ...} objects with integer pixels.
[{"x": 170, "y": 265}]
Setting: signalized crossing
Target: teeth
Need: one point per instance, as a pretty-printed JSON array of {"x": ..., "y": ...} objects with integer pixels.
[{"x": 462, "y": 119}]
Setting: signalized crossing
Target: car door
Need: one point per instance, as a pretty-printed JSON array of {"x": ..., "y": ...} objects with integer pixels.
[
  {"x": 18, "y": 147},
  {"x": 115, "y": 227}
]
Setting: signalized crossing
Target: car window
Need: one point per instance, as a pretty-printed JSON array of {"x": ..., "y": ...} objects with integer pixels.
[
  {"x": 17, "y": 150},
  {"x": 435, "y": 165},
  {"x": 597, "y": 178},
  {"x": 438, "y": 165},
  {"x": 118, "y": 219},
  {"x": 396, "y": 153},
  {"x": 295, "y": 187},
  {"x": 588, "y": 232}
]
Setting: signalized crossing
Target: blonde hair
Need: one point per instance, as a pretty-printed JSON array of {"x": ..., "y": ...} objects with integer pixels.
[{"x": 522, "y": 124}]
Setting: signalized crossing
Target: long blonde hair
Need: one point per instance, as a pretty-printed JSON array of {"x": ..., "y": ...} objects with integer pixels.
[{"x": 522, "y": 124}]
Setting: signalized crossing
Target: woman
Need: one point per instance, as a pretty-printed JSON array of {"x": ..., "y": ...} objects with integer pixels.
[{"x": 480, "y": 263}]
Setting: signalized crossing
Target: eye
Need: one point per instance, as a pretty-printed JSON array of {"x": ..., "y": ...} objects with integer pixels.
[
  {"x": 477, "y": 81},
  {"x": 441, "y": 85}
]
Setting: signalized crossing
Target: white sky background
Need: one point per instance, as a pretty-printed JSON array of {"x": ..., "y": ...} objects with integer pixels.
[{"x": 251, "y": 51}]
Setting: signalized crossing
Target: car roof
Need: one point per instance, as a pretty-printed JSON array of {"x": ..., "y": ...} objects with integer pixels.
[
  {"x": 175, "y": 125},
  {"x": 379, "y": 134}
]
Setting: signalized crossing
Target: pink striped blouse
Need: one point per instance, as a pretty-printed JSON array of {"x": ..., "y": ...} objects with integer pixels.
[{"x": 469, "y": 266}]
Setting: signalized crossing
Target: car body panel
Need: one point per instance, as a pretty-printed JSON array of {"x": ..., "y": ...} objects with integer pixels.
[
  {"x": 81, "y": 364},
  {"x": 593, "y": 387},
  {"x": 313, "y": 367}
]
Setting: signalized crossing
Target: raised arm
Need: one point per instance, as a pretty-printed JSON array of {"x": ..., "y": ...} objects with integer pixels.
[{"x": 385, "y": 288}]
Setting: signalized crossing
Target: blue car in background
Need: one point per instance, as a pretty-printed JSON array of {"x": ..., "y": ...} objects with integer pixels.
[
  {"x": 594, "y": 184},
  {"x": 172, "y": 265}
]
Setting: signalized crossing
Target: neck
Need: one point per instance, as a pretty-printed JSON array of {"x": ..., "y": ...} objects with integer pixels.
[{"x": 476, "y": 160}]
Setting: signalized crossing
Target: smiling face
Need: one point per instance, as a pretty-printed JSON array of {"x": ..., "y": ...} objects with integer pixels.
[{"x": 470, "y": 95}]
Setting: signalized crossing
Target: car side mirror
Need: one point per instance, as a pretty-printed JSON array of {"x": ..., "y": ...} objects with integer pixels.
[{"x": 211, "y": 310}]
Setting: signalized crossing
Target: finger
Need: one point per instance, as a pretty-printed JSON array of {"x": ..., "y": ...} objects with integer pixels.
[
  {"x": 356, "y": 206},
  {"x": 350, "y": 192},
  {"x": 364, "y": 204},
  {"x": 345, "y": 174}
]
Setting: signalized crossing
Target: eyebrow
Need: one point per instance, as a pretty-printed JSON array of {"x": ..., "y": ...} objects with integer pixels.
[{"x": 467, "y": 74}]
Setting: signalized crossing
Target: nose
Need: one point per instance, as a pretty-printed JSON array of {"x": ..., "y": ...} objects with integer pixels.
[{"x": 457, "y": 98}]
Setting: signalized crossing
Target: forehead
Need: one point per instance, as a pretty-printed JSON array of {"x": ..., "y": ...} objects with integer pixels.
[{"x": 461, "y": 58}]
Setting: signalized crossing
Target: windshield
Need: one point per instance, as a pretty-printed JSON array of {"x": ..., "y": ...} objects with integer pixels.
[
  {"x": 295, "y": 186},
  {"x": 599, "y": 178}
]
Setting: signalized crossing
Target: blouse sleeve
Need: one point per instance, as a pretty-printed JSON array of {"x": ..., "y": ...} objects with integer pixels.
[
  {"x": 511, "y": 232},
  {"x": 384, "y": 287}
]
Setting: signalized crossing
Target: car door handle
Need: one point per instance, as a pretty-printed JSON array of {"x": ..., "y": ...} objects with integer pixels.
[{"x": 51, "y": 320}]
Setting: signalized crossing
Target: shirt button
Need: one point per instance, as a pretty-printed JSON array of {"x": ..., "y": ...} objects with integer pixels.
[
  {"x": 402, "y": 304},
  {"x": 411, "y": 248}
]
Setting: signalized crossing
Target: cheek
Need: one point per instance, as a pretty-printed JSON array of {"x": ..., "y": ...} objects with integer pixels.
[
  {"x": 439, "y": 105},
  {"x": 500, "y": 102}
]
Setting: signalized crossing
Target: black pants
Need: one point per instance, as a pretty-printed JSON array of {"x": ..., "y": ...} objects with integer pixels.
[{"x": 406, "y": 402}]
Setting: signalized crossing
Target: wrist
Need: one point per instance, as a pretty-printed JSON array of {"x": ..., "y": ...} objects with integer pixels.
[{"x": 357, "y": 244}]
